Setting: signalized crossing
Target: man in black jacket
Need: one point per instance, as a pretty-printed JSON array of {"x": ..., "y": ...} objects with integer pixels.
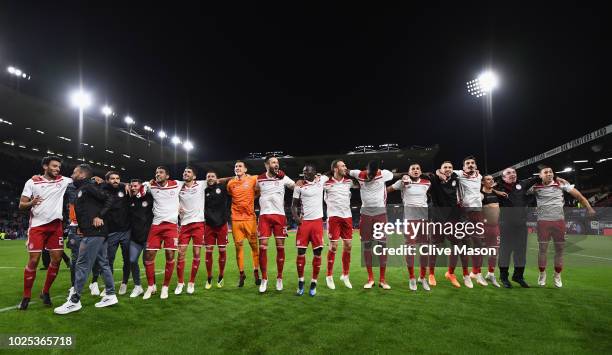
[
  {"x": 513, "y": 227},
  {"x": 118, "y": 223},
  {"x": 216, "y": 210},
  {"x": 91, "y": 206},
  {"x": 141, "y": 217}
]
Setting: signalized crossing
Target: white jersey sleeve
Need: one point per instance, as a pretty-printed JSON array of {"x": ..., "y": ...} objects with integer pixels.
[
  {"x": 567, "y": 187},
  {"x": 354, "y": 173},
  {"x": 27, "y": 189},
  {"x": 387, "y": 175},
  {"x": 288, "y": 182},
  {"x": 398, "y": 185}
]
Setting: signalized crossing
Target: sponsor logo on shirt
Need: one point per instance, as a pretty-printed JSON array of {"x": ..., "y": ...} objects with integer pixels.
[
  {"x": 518, "y": 187},
  {"x": 120, "y": 194},
  {"x": 80, "y": 194},
  {"x": 145, "y": 203},
  {"x": 218, "y": 190}
]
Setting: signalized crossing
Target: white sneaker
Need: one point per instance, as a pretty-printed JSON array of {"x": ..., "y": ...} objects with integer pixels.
[
  {"x": 122, "y": 289},
  {"x": 467, "y": 281},
  {"x": 384, "y": 286},
  {"x": 70, "y": 293},
  {"x": 491, "y": 277},
  {"x": 68, "y": 307},
  {"x": 369, "y": 285},
  {"x": 137, "y": 291},
  {"x": 412, "y": 284},
  {"x": 93, "y": 287},
  {"x": 279, "y": 284},
  {"x": 164, "y": 293},
  {"x": 347, "y": 282},
  {"x": 107, "y": 301},
  {"x": 557, "y": 280},
  {"x": 480, "y": 280},
  {"x": 263, "y": 286},
  {"x": 103, "y": 293},
  {"x": 150, "y": 291},
  {"x": 190, "y": 288},
  {"x": 424, "y": 283},
  {"x": 542, "y": 278},
  {"x": 330, "y": 282},
  {"x": 178, "y": 290}
]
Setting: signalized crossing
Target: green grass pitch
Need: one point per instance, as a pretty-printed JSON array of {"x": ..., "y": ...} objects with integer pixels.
[{"x": 574, "y": 319}]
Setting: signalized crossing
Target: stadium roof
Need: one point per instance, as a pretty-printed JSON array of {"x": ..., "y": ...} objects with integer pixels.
[{"x": 41, "y": 128}]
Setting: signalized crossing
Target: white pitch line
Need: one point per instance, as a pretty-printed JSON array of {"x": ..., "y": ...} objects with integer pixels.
[
  {"x": 8, "y": 267},
  {"x": 583, "y": 255}
]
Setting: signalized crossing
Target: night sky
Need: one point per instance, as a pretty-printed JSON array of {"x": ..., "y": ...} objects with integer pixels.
[{"x": 314, "y": 79}]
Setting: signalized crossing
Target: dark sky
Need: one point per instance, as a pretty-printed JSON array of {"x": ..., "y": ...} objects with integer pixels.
[{"x": 311, "y": 79}]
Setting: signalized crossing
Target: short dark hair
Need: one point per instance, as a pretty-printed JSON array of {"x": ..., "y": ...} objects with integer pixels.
[
  {"x": 310, "y": 164},
  {"x": 50, "y": 158},
  {"x": 469, "y": 157},
  {"x": 136, "y": 180},
  {"x": 164, "y": 168},
  {"x": 414, "y": 163},
  {"x": 111, "y": 172},
  {"x": 193, "y": 170},
  {"x": 268, "y": 157},
  {"x": 446, "y": 161},
  {"x": 373, "y": 165},
  {"x": 86, "y": 168},
  {"x": 240, "y": 161},
  {"x": 334, "y": 164},
  {"x": 542, "y": 167},
  {"x": 211, "y": 172}
]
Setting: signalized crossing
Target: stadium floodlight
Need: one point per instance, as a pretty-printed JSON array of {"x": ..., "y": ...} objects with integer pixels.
[
  {"x": 107, "y": 111},
  {"x": 188, "y": 145},
  {"x": 129, "y": 120},
  {"x": 162, "y": 134},
  {"x": 80, "y": 99},
  {"x": 11, "y": 70},
  {"x": 483, "y": 85},
  {"x": 148, "y": 129},
  {"x": 581, "y": 161},
  {"x": 176, "y": 140},
  {"x": 585, "y": 169}
]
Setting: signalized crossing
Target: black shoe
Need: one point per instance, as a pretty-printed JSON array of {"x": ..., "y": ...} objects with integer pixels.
[
  {"x": 258, "y": 281},
  {"x": 241, "y": 282},
  {"x": 46, "y": 299},
  {"x": 24, "y": 304},
  {"x": 506, "y": 283},
  {"x": 521, "y": 281}
]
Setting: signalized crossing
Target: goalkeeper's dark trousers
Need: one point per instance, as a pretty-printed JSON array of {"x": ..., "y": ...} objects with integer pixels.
[{"x": 513, "y": 244}]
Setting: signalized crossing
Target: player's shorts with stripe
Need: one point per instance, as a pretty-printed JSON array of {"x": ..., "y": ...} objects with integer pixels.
[
  {"x": 215, "y": 235},
  {"x": 272, "y": 224},
  {"x": 166, "y": 233},
  {"x": 242, "y": 230},
  {"x": 554, "y": 230},
  {"x": 48, "y": 236},
  {"x": 416, "y": 235},
  {"x": 310, "y": 232},
  {"x": 338, "y": 227},
  {"x": 193, "y": 230},
  {"x": 366, "y": 227}
]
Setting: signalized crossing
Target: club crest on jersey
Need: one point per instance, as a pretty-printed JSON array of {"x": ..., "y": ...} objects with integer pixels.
[
  {"x": 276, "y": 183},
  {"x": 454, "y": 183},
  {"x": 218, "y": 191},
  {"x": 518, "y": 186},
  {"x": 145, "y": 203},
  {"x": 120, "y": 194},
  {"x": 79, "y": 194}
]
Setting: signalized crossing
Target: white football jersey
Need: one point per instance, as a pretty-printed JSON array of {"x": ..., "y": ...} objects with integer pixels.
[
  {"x": 338, "y": 197},
  {"x": 52, "y": 194},
  {"x": 192, "y": 202},
  {"x": 469, "y": 189},
  {"x": 272, "y": 194},
  {"x": 311, "y": 195},
  {"x": 414, "y": 197},
  {"x": 373, "y": 193},
  {"x": 166, "y": 201}
]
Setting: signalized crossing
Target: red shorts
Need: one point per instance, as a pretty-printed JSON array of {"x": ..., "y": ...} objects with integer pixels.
[
  {"x": 193, "y": 230},
  {"x": 272, "y": 224},
  {"x": 310, "y": 231},
  {"x": 49, "y": 236},
  {"x": 366, "y": 227},
  {"x": 419, "y": 237},
  {"x": 554, "y": 230},
  {"x": 338, "y": 227},
  {"x": 491, "y": 235},
  {"x": 215, "y": 235},
  {"x": 166, "y": 232}
]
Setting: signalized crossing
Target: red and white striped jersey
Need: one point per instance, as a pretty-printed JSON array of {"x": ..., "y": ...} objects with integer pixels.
[
  {"x": 414, "y": 193},
  {"x": 550, "y": 200},
  {"x": 191, "y": 201},
  {"x": 311, "y": 195},
  {"x": 166, "y": 201},
  {"x": 338, "y": 197},
  {"x": 52, "y": 194},
  {"x": 373, "y": 193},
  {"x": 272, "y": 194}
]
